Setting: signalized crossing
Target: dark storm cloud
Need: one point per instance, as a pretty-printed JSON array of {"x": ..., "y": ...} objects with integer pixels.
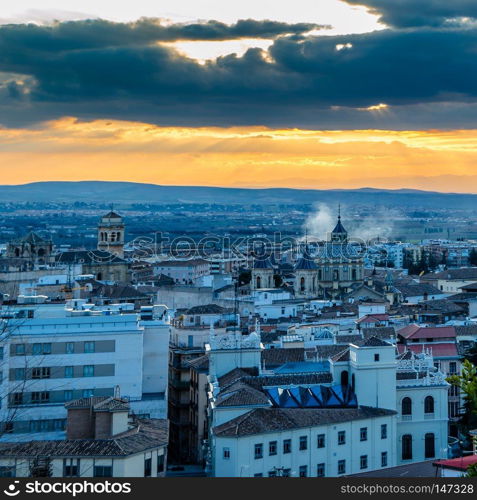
[
  {"x": 97, "y": 33},
  {"x": 411, "y": 13},
  {"x": 300, "y": 81}
]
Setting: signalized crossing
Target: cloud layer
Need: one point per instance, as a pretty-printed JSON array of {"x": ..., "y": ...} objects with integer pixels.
[
  {"x": 412, "y": 13},
  {"x": 426, "y": 77}
]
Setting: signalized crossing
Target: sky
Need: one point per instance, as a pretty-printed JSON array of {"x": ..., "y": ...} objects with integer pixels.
[{"x": 328, "y": 94}]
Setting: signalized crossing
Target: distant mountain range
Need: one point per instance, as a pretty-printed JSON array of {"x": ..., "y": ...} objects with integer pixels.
[{"x": 132, "y": 192}]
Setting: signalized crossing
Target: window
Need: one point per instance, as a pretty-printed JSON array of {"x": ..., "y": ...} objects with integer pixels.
[
  {"x": 303, "y": 471},
  {"x": 384, "y": 431},
  {"x": 406, "y": 406},
  {"x": 259, "y": 450},
  {"x": 71, "y": 467},
  {"x": 384, "y": 459},
  {"x": 69, "y": 372},
  {"x": 407, "y": 447},
  {"x": 17, "y": 398},
  {"x": 7, "y": 471},
  {"x": 70, "y": 347},
  {"x": 19, "y": 349},
  {"x": 88, "y": 393},
  {"x": 452, "y": 368},
  {"x": 320, "y": 441},
  {"x": 429, "y": 445},
  {"x": 68, "y": 395},
  {"x": 40, "y": 397},
  {"x": 363, "y": 462},
  {"x": 341, "y": 466},
  {"x": 454, "y": 390},
  {"x": 89, "y": 347},
  {"x": 160, "y": 463},
  {"x": 88, "y": 371},
  {"x": 103, "y": 471},
  {"x": 287, "y": 446},
  {"x": 429, "y": 404},
  {"x": 341, "y": 437},
  {"x": 148, "y": 467},
  {"x": 320, "y": 470},
  {"x": 43, "y": 372},
  {"x": 363, "y": 434},
  {"x": 226, "y": 453},
  {"x": 41, "y": 349},
  {"x": 303, "y": 442},
  {"x": 19, "y": 373},
  {"x": 376, "y": 357},
  {"x": 453, "y": 409},
  {"x": 272, "y": 448}
]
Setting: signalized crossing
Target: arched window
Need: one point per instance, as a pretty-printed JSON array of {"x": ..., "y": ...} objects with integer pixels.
[
  {"x": 302, "y": 284},
  {"x": 407, "y": 447},
  {"x": 259, "y": 282},
  {"x": 406, "y": 406},
  {"x": 429, "y": 404},
  {"x": 429, "y": 445},
  {"x": 344, "y": 377}
]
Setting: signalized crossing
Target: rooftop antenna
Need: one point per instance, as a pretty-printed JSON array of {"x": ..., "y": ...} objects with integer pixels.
[{"x": 339, "y": 211}]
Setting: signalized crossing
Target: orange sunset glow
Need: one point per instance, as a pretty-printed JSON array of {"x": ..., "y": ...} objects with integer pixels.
[{"x": 70, "y": 149}]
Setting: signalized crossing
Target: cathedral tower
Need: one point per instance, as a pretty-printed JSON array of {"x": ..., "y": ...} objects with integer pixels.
[{"x": 111, "y": 234}]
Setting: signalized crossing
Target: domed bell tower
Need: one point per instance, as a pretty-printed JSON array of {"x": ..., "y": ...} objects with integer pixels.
[{"x": 111, "y": 234}]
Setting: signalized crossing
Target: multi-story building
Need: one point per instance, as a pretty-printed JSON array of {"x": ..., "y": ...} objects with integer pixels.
[
  {"x": 441, "y": 343},
  {"x": 187, "y": 343},
  {"x": 103, "y": 440},
  {"x": 361, "y": 410},
  {"x": 53, "y": 356},
  {"x": 183, "y": 271}
]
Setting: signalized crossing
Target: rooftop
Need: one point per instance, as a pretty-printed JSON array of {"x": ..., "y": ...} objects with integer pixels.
[{"x": 263, "y": 420}]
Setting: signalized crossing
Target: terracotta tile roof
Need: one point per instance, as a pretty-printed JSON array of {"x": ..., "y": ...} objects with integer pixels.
[
  {"x": 375, "y": 342},
  {"x": 279, "y": 356},
  {"x": 341, "y": 356},
  {"x": 99, "y": 403},
  {"x": 419, "y": 332},
  {"x": 148, "y": 434},
  {"x": 446, "y": 349},
  {"x": 262, "y": 420}
]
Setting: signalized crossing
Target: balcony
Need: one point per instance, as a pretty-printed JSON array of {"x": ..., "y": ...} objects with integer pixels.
[{"x": 428, "y": 416}]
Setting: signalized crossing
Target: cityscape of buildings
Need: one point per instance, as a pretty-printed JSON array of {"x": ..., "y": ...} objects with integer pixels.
[{"x": 301, "y": 358}]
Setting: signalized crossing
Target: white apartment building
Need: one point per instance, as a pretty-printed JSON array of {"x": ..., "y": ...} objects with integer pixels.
[
  {"x": 50, "y": 358},
  {"x": 369, "y": 410}
]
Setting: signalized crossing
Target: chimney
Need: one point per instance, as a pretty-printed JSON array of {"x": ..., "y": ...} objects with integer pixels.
[{"x": 97, "y": 417}]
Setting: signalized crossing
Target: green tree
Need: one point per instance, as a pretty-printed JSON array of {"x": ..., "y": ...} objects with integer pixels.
[
  {"x": 472, "y": 470},
  {"x": 467, "y": 383}
]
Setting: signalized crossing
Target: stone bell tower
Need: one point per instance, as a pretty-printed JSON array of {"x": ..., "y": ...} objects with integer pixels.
[{"x": 111, "y": 234}]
